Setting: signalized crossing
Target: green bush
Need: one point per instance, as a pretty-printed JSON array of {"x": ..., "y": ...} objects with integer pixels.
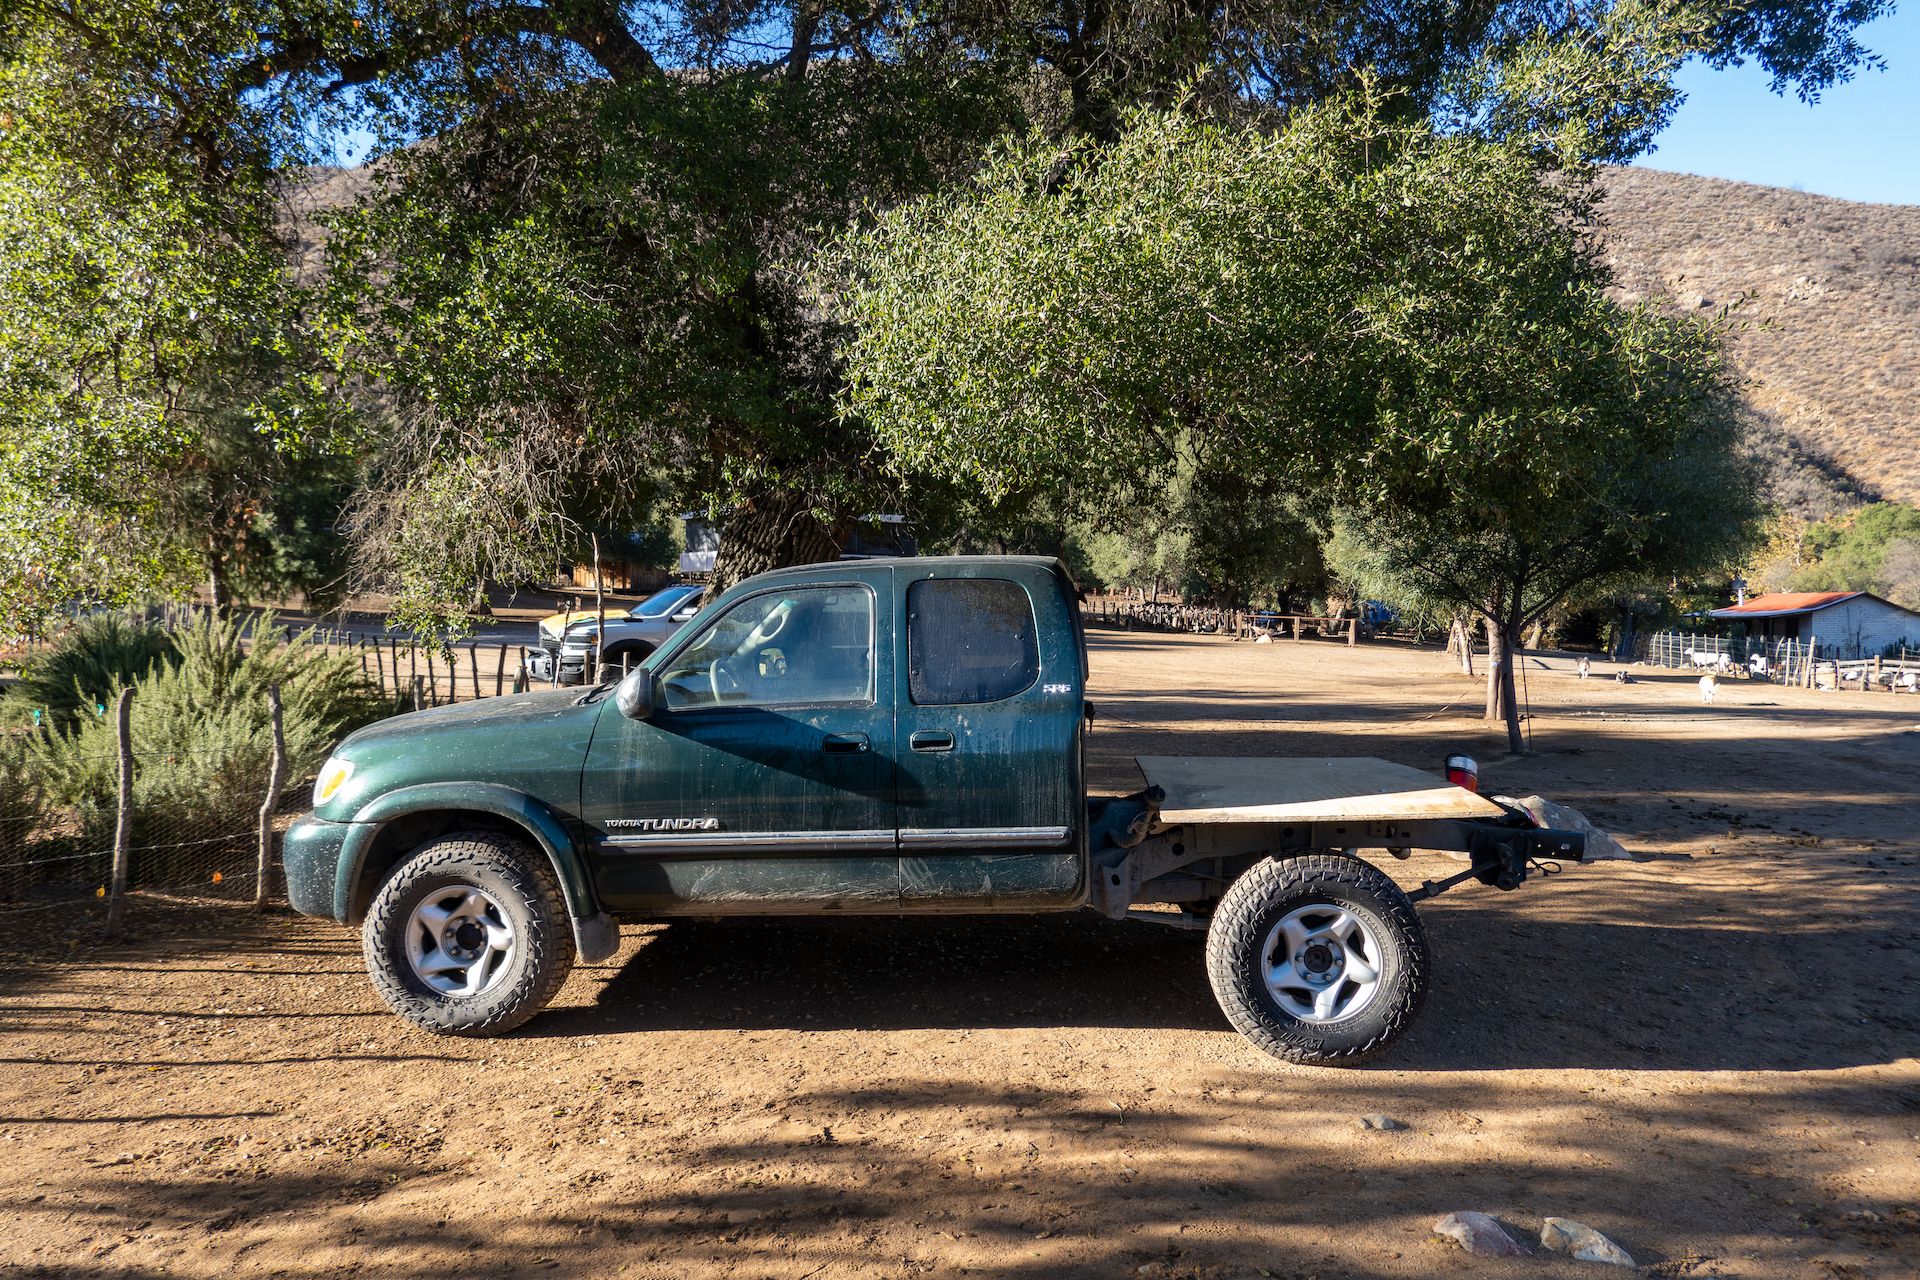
[
  {"x": 86, "y": 668},
  {"x": 19, "y": 816},
  {"x": 202, "y": 734}
]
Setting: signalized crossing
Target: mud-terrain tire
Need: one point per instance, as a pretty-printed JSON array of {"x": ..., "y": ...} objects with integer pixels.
[
  {"x": 1289, "y": 930},
  {"x": 503, "y": 894}
]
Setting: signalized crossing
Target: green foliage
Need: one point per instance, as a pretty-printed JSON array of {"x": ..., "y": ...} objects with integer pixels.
[
  {"x": 630, "y": 310},
  {"x": 86, "y": 668},
  {"x": 1412, "y": 328},
  {"x": 590, "y": 272},
  {"x": 20, "y": 813},
  {"x": 201, "y": 730},
  {"x": 1872, "y": 549}
]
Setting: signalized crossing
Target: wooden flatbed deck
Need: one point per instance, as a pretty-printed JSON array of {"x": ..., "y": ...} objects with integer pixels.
[{"x": 1215, "y": 789}]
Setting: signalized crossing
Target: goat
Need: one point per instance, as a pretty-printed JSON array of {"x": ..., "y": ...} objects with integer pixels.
[
  {"x": 1708, "y": 684},
  {"x": 1583, "y": 668}
]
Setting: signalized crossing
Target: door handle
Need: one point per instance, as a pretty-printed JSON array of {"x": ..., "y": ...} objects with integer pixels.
[
  {"x": 931, "y": 740},
  {"x": 845, "y": 743}
]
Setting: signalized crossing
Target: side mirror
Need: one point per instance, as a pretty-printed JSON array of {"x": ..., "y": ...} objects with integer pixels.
[
  {"x": 634, "y": 697},
  {"x": 685, "y": 615}
]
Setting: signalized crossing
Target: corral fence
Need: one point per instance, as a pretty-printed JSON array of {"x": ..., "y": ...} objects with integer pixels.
[
  {"x": 416, "y": 675},
  {"x": 1242, "y": 624},
  {"x": 1807, "y": 664}
]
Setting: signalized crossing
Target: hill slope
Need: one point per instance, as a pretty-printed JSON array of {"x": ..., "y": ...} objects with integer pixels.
[{"x": 1830, "y": 290}]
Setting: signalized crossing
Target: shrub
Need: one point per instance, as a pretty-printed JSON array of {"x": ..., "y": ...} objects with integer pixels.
[
  {"x": 202, "y": 736},
  {"x": 19, "y": 816},
  {"x": 90, "y": 664}
]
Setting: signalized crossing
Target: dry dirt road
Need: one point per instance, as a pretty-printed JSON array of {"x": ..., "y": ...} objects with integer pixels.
[{"x": 1709, "y": 1055}]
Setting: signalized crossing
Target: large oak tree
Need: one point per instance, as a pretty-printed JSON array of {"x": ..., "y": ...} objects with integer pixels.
[{"x": 603, "y": 207}]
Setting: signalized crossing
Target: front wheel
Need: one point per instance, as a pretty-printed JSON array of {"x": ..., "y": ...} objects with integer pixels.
[
  {"x": 469, "y": 935},
  {"x": 1318, "y": 960}
]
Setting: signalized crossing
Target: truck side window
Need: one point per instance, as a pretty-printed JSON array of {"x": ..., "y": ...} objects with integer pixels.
[
  {"x": 779, "y": 648},
  {"x": 969, "y": 640}
]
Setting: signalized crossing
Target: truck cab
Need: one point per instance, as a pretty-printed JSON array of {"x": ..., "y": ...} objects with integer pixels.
[{"x": 881, "y": 735}]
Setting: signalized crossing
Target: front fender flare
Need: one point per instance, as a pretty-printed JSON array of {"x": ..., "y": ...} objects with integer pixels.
[{"x": 596, "y": 934}]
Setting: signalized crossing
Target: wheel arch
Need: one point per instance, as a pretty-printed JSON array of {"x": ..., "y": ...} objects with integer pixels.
[{"x": 387, "y": 827}]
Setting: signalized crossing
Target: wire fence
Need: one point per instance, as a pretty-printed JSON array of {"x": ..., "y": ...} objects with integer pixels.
[
  {"x": 1787, "y": 661},
  {"x": 101, "y": 829}
]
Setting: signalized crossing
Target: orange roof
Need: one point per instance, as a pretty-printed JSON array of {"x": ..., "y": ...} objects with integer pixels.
[{"x": 1779, "y": 602}]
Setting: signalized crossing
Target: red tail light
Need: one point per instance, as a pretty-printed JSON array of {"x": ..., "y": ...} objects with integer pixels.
[{"x": 1463, "y": 772}]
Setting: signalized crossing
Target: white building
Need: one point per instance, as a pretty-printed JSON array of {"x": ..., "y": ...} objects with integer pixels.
[{"x": 1845, "y": 624}]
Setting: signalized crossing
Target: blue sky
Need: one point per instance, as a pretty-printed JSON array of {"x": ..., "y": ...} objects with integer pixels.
[{"x": 1861, "y": 141}]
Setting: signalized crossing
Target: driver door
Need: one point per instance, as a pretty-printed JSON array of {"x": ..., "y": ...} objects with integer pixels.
[{"x": 764, "y": 779}]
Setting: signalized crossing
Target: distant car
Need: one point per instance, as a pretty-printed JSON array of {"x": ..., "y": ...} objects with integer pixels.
[{"x": 568, "y": 641}]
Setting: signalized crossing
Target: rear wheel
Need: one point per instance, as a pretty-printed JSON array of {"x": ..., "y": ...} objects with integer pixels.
[
  {"x": 469, "y": 935},
  {"x": 1319, "y": 960}
]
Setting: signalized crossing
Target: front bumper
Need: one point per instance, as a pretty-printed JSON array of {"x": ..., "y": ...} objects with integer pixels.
[
  {"x": 310, "y": 852},
  {"x": 570, "y": 666}
]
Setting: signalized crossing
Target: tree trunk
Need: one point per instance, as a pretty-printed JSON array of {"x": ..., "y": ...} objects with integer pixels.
[
  {"x": 1496, "y": 662},
  {"x": 1504, "y": 649},
  {"x": 773, "y": 531},
  {"x": 1460, "y": 643},
  {"x": 220, "y": 595}
]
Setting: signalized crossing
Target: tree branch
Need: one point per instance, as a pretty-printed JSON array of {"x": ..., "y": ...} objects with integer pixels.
[{"x": 594, "y": 26}]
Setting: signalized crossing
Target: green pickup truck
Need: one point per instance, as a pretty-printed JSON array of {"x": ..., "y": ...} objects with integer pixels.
[{"x": 874, "y": 737}]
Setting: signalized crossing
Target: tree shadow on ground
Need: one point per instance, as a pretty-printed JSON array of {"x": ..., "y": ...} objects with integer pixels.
[{"x": 1511, "y": 991}]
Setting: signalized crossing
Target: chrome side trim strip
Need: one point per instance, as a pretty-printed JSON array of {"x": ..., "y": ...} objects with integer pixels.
[
  {"x": 672, "y": 843},
  {"x": 982, "y": 837}
]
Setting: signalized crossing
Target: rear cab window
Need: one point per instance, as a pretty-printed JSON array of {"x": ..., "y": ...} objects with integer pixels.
[{"x": 970, "y": 640}]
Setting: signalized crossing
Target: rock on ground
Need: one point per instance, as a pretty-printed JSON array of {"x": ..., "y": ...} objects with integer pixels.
[
  {"x": 1563, "y": 1235},
  {"x": 1480, "y": 1235},
  {"x": 1384, "y": 1123}
]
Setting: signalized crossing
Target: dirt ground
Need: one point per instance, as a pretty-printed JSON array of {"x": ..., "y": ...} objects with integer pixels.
[{"x": 1709, "y": 1055}]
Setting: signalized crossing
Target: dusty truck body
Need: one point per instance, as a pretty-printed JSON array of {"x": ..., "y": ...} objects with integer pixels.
[{"x": 881, "y": 737}]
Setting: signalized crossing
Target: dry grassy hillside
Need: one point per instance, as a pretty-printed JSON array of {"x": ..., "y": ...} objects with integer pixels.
[{"x": 1831, "y": 290}]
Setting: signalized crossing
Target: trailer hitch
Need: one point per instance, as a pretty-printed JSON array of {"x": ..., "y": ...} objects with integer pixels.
[{"x": 1502, "y": 856}]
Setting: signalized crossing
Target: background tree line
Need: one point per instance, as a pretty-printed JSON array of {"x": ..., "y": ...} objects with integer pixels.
[{"x": 796, "y": 263}]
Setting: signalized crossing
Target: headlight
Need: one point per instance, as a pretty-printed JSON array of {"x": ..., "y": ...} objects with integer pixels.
[{"x": 333, "y": 776}]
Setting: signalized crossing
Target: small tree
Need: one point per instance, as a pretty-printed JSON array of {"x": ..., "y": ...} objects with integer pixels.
[{"x": 1411, "y": 328}]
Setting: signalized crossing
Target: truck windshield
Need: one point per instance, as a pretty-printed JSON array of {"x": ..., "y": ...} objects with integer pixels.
[{"x": 662, "y": 602}]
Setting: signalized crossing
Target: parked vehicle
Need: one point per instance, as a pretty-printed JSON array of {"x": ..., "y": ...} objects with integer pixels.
[
  {"x": 894, "y": 737},
  {"x": 569, "y": 647}
]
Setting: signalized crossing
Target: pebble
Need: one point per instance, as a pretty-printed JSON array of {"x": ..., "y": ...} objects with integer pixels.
[
  {"x": 1563, "y": 1235},
  {"x": 1386, "y": 1124},
  {"x": 1479, "y": 1235}
]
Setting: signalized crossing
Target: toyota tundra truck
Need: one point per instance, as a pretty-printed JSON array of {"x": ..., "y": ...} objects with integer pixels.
[{"x": 880, "y": 737}]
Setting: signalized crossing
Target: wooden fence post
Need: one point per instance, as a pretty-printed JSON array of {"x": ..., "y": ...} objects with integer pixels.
[
  {"x": 379, "y": 667},
  {"x": 416, "y": 691},
  {"x": 1353, "y": 631},
  {"x": 473, "y": 667},
  {"x": 123, "y": 814},
  {"x": 276, "y": 775},
  {"x": 433, "y": 681},
  {"x": 500, "y": 669},
  {"x": 600, "y": 612}
]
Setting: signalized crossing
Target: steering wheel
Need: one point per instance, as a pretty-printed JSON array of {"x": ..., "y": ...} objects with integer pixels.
[
  {"x": 721, "y": 681},
  {"x": 770, "y": 626}
]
